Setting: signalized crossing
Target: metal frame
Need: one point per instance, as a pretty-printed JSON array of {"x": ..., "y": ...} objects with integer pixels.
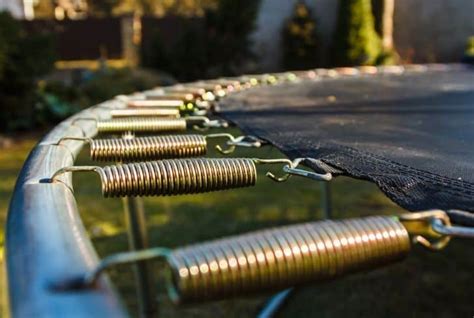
[{"x": 45, "y": 238}]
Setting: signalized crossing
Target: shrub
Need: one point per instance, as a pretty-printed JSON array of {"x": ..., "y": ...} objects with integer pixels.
[
  {"x": 356, "y": 41},
  {"x": 58, "y": 100},
  {"x": 106, "y": 84},
  {"x": 300, "y": 39},
  {"x": 469, "y": 52},
  {"x": 23, "y": 59}
]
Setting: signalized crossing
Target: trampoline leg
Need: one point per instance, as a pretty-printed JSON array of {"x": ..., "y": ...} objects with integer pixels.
[
  {"x": 326, "y": 205},
  {"x": 138, "y": 239}
]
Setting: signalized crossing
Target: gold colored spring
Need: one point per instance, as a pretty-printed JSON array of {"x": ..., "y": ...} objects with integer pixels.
[
  {"x": 176, "y": 176},
  {"x": 179, "y": 89},
  {"x": 185, "y": 97},
  {"x": 228, "y": 85},
  {"x": 148, "y": 148},
  {"x": 153, "y": 125},
  {"x": 166, "y": 103},
  {"x": 274, "y": 259},
  {"x": 186, "y": 176},
  {"x": 145, "y": 112},
  {"x": 217, "y": 90},
  {"x": 119, "y": 125},
  {"x": 284, "y": 257}
]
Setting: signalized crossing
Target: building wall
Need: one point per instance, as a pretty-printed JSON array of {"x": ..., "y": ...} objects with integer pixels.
[
  {"x": 424, "y": 30},
  {"x": 432, "y": 31}
]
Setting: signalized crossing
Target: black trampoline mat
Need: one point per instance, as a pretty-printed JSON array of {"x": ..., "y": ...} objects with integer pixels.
[{"x": 412, "y": 134}]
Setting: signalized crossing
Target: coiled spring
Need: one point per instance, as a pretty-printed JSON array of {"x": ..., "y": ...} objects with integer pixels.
[
  {"x": 177, "y": 176},
  {"x": 144, "y": 112},
  {"x": 281, "y": 258},
  {"x": 153, "y": 125},
  {"x": 166, "y": 103},
  {"x": 172, "y": 96},
  {"x": 162, "y": 147},
  {"x": 147, "y": 148},
  {"x": 119, "y": 125}
]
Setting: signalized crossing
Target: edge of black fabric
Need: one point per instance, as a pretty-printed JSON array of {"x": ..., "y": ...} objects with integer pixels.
[
  {"x": 404, "y": 185},
  {"x": 411, "y": 188}
]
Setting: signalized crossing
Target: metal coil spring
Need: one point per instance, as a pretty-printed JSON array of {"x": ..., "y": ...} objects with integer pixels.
[
  {"x": 168, "y": 103},
  {"x": 119, "y": 125},
  {"x": 172, "y": 96},
  {"x": 177, "y": 176},
  {"x": 145, "y": 112},
  {"x": 281, "y": 258},
  {"x": 148, "y": 148}
]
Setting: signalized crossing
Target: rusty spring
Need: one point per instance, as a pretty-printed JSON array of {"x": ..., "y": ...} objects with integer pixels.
[
  {"x": 289, "y": 256},
  {"x": 176, "y": 176},
  {"x": 144, "y": 112},
  {"x": 147, "y": 148},
  {"x": 119, "y": 125}
]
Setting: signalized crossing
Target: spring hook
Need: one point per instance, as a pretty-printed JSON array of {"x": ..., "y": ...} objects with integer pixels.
[
  {"x": 90, "y": 278},
  {"x": 433, "y": 229},
  {"x": 291, "y": 169},
  {"x": 205, "y": 123},
  {"x": 451, "y": 230},
  {"x": 305, "y": 173},
  {"x": 422, "y": 225},
  {"x": 233, "y": 142}
]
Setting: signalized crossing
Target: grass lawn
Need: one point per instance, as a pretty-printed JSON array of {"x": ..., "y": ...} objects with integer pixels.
[{"x": 425, "y": 284}]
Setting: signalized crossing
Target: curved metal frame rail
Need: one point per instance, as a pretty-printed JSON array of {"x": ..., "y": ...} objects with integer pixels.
[{"x": 45, "y": 236}]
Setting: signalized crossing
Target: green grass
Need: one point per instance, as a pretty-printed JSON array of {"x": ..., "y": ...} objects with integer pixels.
[{"x": 425, "y": 284}]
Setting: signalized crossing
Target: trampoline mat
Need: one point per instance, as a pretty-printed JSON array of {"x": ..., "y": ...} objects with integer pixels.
[{"x": 411, "y": 134}]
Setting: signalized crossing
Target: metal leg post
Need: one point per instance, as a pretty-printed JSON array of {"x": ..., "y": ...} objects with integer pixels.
[
  {"x": 138, "y": 239},
  {"x": 326, "y": 204}
]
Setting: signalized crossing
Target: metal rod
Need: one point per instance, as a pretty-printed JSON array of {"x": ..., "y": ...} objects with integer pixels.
[
  {"x": 326, "y": 203},
  {"x": 275, "y": 304},
  {"x": 138, "y": 240}
]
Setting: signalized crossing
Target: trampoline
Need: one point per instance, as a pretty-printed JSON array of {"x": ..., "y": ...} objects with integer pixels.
[{"x": 408, "y": 129}]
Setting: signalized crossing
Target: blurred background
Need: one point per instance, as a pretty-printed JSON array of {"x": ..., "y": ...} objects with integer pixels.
[{"x": 60, "y": 56}]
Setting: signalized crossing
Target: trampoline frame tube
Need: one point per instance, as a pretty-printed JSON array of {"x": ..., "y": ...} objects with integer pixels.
[{"x": 45, "y": 237}]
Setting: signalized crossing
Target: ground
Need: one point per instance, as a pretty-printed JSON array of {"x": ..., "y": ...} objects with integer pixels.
[{"x": 424, "y": 285}]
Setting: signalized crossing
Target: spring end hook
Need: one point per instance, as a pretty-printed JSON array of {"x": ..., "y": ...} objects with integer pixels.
[
  {"x": 291, "y": 169},
  {"x": 233, "y": 142},
  {"x": 421, "y": 226}
]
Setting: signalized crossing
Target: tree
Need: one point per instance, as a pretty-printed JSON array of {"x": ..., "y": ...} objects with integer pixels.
[
  {"x": 300, "y": 39},
  {"x": 356, "y": 42},
  {"x": 229, "y": 28},
  {"x": 383, "y": 12}
]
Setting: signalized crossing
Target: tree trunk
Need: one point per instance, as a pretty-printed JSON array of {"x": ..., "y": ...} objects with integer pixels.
[{"x": 386, "y": 27}]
